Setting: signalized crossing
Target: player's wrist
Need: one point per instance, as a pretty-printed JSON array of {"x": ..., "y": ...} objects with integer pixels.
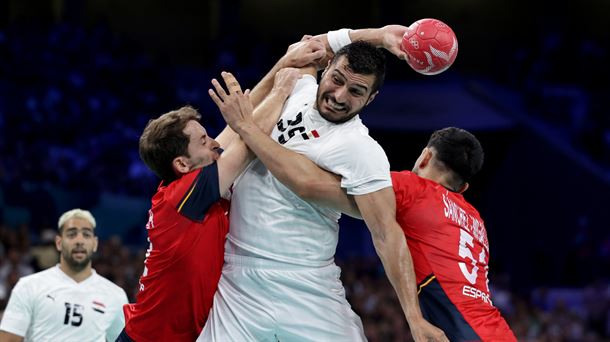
[
  {"x": 244, "y": 126},
  {"x": 338, "y": 39},
  {"x": 414, "y": 316}
]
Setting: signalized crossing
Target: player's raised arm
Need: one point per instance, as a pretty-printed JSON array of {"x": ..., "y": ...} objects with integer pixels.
[
  {"x": 235, "y": 103},
  {"x": 388, "y": 37},
  {"x": 298, "y": 55},
  {"x": 379, "y": 212}
]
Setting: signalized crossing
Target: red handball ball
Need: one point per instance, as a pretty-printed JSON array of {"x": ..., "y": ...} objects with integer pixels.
[{"x": 430, "y": 45}]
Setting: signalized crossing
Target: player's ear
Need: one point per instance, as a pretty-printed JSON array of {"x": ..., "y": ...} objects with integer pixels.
[
  {"x": 426, "y": 156},
  {"x": 95, "y": 243},
  {"x": 58, "y": 242},
  {"x": 372, "y": 97},
  {"x": 181, "y": 164}
]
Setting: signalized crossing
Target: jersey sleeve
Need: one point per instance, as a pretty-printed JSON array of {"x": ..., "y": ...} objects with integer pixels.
[
  {"x": 361, "y": 162},
  {"x": 18, "y": 313},
  {"x": 194, "y": 193}
]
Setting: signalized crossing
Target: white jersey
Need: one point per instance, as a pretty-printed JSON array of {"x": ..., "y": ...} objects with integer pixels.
[
  {"x": 268, "y": 220},
  {"x": 51, "y": 306}
]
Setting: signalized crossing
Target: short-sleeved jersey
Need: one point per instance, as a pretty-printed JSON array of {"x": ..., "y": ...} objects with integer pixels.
[
  {"x": 270, "y": 221},
  {"x": 51, "y": 306},
  {"x": 186, "y": 227},
  {"x": 448, "y": 242}
]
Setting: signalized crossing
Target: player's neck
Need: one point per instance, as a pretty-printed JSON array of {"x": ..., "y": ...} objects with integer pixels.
[
  {"x": 77, "y": 275},
  {"x": 437, "y": 177}
]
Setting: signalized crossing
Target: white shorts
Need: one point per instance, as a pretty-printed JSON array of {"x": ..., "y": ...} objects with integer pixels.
[{"x": 263, "y": 300}]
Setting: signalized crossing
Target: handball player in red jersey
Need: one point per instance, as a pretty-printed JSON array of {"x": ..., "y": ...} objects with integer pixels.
[
  {"x": 447, "y": 238},
  {"x": 188, "y": 221}
]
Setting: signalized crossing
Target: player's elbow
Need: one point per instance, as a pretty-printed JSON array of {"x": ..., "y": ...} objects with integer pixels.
[
  {"x": 305, "y": 189},
  {"x": 310, "y": 189}
]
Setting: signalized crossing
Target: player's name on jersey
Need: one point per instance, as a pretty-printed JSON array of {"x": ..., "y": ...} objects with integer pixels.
[{"x": 458, "y": 215}]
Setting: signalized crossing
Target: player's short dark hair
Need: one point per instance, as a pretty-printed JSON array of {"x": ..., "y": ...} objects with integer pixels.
[
  {"x": 163, "y": 140},
  {"x": 365, "y": 59},
  {"x": 460, "y": 151}
]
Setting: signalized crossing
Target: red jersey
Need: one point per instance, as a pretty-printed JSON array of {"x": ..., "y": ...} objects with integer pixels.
[
  {"x": 448, "y": 243},
  {"x": 186, "y": 228}
]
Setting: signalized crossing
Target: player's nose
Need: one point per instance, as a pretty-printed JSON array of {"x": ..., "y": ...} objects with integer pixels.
[
  {"x": 215, "y": 144},
  {"x": 340, "y": 94}
]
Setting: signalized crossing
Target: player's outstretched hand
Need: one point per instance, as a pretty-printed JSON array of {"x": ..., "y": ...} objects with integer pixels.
[
  {"x": 304, "y": 53},
  {"x": 234, "y": 104},
  {"x": 392, "y": 39},
  {"x": 285, "y": 80},
  {"x": 423, "y": 331}
]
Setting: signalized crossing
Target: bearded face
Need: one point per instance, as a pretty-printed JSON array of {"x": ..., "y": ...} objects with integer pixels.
[{"x": 76, "y": 243}]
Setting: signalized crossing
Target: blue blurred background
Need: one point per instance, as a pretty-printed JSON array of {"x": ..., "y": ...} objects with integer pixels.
[{"x": 79, "y": 79}]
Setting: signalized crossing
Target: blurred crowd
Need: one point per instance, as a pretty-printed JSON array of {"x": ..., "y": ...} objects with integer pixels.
[
  {"x": 543, "y": 314},
  {"x": 71, "y": 98}
]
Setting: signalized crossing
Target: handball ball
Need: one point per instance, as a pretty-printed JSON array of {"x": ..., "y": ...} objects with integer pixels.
[{"x": 430, "y": 45}]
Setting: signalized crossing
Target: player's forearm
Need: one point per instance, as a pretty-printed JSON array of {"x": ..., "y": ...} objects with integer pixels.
[
  {"x": 266, "y": 110},
  {"x": 294, "y": 59},
  {"x": 8, "y": 337},
  {"x": 379, "y": 212},
  {"x": 394, "y": 254},
  {"x": 264, "y": 86},
  {"x": 298, "y": 173},
  {"x": 370, "y": 35},
  {"x": 232, "y": 163},
  {"x": 267, "y": 113},
  {"x": 388, "y": 37}
]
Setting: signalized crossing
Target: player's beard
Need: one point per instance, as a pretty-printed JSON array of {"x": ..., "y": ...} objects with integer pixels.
[{"x": 76, "y": 265}]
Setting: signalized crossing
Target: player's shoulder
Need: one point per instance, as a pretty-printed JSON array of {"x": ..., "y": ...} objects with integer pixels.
[
  {"x": 107, "y": 286},
  {"x": 355, "y": 135},
  {"x": 406, "y": 177},
  {"x": 176, "y": 190},
  {"x": 305, "y": 83},
  {"x": 42, "y": 277},
  {"x": 355, "y": 149},
  {"x": 408, "y": 182},
  {"x": 38, "y": 282},
  {"x": 303, "y": 96},
  {"x": 185, "y": 180},
  {"x": 354, "y": 129},
  {"x": 305, "y": 88}
]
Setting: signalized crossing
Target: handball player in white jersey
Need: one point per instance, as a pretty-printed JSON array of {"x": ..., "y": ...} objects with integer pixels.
[
  {"x": 279, "y": 281},
  {"x": 68, "y": 302}
]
